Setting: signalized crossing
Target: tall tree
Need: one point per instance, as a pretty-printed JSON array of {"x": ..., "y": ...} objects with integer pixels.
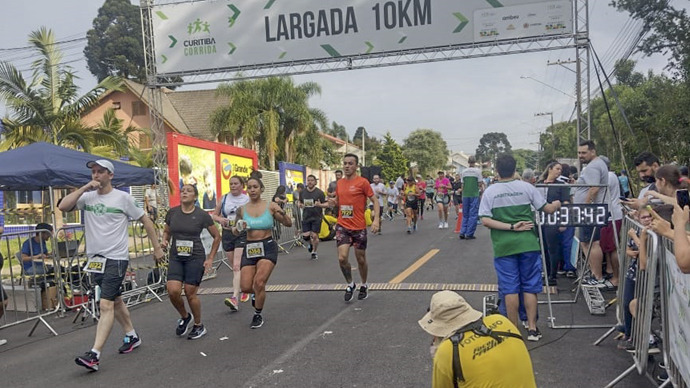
[
  {"x": 490, "y": 145},
  {"x": 114, "y": 45},
  {"x": 427, "y": 148},
  {"x": 391, "y": 159},
  {"x": 525, "y": 159},
  {"x": 266, "y": 115},
  {"x": 47, "y": 108},
  {"x": 338, "y": 131},
  {"x": 372, "y": 146}
]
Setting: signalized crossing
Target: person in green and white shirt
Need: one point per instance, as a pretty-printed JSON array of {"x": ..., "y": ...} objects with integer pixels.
[{"x": 506, "y": 209}]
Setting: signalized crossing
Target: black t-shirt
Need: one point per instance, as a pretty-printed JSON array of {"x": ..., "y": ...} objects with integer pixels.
[
  {"x": 186, "y": 232},
  {"x": 309, "y": 199},
  {"x": 557, "y": 193}
]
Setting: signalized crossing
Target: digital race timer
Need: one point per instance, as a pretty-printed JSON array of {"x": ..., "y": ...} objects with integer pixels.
[{"x": 577, "y": 215}]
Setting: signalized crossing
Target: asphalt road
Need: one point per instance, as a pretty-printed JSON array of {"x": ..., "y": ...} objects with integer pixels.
[{"x": 314, "y": 338}]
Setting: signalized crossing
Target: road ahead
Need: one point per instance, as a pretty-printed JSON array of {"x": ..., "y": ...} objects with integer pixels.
[{"x": 313, "y": 338}]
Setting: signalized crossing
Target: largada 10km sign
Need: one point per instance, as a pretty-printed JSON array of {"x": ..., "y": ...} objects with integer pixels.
[{"x": 232, "y": 34}]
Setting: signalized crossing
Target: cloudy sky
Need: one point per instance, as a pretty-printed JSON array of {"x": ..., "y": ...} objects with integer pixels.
[{"x": 462, "y": 99}]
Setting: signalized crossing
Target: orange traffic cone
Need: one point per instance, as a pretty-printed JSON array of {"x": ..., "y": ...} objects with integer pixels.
[{"x": 458, "y": 224}]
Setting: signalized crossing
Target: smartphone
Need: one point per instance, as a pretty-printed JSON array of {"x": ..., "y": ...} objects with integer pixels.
[{"x": 683, "y": 198}]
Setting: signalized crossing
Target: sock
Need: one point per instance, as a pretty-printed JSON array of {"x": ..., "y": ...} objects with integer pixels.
[
  {"x": 98, "y": 354},
  {"x": 131, "y": 333},
  {"x": 258, "y": 311},
  {"x": 352, "y": 285}
]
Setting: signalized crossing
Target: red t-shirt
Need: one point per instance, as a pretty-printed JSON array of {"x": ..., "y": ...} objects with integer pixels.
[
  {"x": 421, "y": 185},
  {"x": 352, "y": 199}
]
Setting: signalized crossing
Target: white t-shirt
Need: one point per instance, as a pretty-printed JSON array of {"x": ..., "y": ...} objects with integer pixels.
[
  {"x": 106, "y": 218},
  {"x": 232, "y": 203},
  {"x": 380, "y": 191},
  {"x": 151, "y": 197},
  {"x": 393, "y": 194}
]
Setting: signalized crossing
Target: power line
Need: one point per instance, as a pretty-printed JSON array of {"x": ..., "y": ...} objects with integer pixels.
[{"x": 51, "y": 44}]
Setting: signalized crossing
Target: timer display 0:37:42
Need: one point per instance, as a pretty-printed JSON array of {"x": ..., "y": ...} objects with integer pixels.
[{"x": 576, "y": 215}]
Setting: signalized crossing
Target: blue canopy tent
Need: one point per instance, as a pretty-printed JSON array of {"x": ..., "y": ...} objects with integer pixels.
[
  {"x": 44, "y": 166},
  {"x": 41, "y": 166}
]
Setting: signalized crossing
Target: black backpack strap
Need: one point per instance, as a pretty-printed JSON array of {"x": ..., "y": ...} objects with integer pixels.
[
  {"x": 457, "y": 370},
  {"x": 222, "y": 205}
]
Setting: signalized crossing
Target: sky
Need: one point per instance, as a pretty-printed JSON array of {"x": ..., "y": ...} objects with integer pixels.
[{"x": 461, "y": 99}]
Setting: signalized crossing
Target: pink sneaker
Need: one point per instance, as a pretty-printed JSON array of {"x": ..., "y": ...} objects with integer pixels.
[{"x": 244, "y": 297}]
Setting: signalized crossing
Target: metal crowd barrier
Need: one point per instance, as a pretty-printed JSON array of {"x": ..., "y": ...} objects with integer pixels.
[
  {"x": 675, "y": 307},
  {"x": 287, "y": 238},
  {"x": 30, "y": 298}
]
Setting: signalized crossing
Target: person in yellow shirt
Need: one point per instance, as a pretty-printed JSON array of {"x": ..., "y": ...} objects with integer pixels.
[{"x": 474, "y": 351}]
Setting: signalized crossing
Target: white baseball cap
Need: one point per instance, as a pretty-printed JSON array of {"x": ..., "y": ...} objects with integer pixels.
[{"x": 103, "y": 163}]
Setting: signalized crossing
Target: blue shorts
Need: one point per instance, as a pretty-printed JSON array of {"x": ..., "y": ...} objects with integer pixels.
[{"x": 519, "y": 273}]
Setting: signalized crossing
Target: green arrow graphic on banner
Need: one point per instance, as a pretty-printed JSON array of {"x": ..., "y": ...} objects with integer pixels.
[
  {"x": 402, "y": 39},
  {"x": 269, "y": 4},
  {"x": 235, "y": 14},
  {"x": 463, "y": 22},
  {"x": 232, "y": 48},
  {"x": 174, "y": 41},
  {"x": 330, "y": 50},
  {"x": 165, "y": 59},
  {"x": 495, "y": 3},
  {"x": 161, "y": 15},
  {"x": 369, "y": 47}
]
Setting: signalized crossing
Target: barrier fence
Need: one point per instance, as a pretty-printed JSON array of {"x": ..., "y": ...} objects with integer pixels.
[{"x": 661, "y": 311}]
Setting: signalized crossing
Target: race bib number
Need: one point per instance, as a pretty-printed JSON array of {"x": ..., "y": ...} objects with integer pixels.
[
  {"x": 184, "y": 247},
  {"x": 308, "y": 203},
  {"x": 411, "y": 198},
  {"x": 255, "y": 250},
  {"x": 346, "y": 211},
  {"x": 95, "y": 265}
]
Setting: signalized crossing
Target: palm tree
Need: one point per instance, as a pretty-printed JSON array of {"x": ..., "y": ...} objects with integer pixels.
[
  {"x": 48, "y": 107},
  {"x": 266, "y": 115}
]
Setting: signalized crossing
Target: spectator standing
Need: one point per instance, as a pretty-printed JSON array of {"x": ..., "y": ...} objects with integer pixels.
[
  {"x": 625, "y": 183},
  {"x": 472, "y": 186}
]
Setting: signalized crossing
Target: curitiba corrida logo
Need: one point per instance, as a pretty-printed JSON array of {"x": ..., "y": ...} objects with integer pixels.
[{"x": 199, "y": 45}]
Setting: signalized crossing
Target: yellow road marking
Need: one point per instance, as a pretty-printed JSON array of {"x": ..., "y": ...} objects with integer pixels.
[{"x": 415, "y": 266}]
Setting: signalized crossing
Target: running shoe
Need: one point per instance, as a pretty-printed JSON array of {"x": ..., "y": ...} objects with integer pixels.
[
  {"x": 232, "y": 303},
  {"x": 469, "y": 237},
  {"x": 440, "y": 225},
  {"x": 571, "y": 274},
  {"x": 445, "y": 225},
  {"x": 197, "y": 332},
  {"x": 3, "y": 341},
  {"x": 184, "y": 325},
  {"x": 534, "y": 335},
  {"x": 525, "y": 325},
  {"x": 349, "y": 291},
  {"x": 257, "y": 321},
  {"x": 592, "y": 281},
  {"x": 309, "y": 247},
  {"x": 130, "y": 343},
  {"x": 409, "y": 230},
  {"x": 244, "y": 297},
  {"x": 363, "y": 294},
  {"x": 89, "y": 361},
  {"x": 462, "y": 237},
  {"x": 314, "y": 256}
]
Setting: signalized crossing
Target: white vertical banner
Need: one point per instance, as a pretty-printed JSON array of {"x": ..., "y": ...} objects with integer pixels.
[{"x": 678, "y": 291}]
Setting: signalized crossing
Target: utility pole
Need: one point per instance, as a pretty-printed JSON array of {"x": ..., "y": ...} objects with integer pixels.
[
  {"x": 553, "y": 153},
  {"x": 364, "y": 159}
]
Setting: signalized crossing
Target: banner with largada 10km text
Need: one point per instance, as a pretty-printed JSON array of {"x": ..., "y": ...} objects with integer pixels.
[
  {"x": 233, "y": 34},
  {"x": 206, "y": 165}
]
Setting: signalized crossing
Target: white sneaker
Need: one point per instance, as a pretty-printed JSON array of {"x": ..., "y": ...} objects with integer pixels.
[
  {"x": 440, "y": 225},
  {"x": 445, "y": 225},
  {"x": 3, "y": 341}
]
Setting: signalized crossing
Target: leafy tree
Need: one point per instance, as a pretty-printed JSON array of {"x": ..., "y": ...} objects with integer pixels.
[
  {"x": 427, "y": 148},
  {"x": 626, "y": 74},
  {"x": 391, "y": 159},
  {"x": 490, "y": 145},
  {"x": 669, "y": 31},
  {"x": 114, "y": 45},
  {"x": 372, "y": 146},
  {"x": 47, "y": 108},
  {"x": 338, "y": 131},
  {"x": 266, "y": 115},
  {"x": 525, "y": 159}
]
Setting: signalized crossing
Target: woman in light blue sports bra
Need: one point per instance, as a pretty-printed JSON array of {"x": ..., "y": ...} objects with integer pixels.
[{"x": 261, "y": 250}]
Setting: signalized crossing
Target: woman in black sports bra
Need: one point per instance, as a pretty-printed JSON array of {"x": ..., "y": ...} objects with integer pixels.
[{"x": 261, "y": 250}]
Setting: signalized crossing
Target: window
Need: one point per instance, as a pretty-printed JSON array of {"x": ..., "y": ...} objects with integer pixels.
[{"x": 139, "y": 108}]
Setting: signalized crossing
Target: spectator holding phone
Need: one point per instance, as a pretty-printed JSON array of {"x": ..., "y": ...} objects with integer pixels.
[{"x": 668, "y": 181}]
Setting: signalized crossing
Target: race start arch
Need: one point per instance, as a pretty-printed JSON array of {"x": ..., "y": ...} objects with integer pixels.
[{"x": 226, "y": 40}]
